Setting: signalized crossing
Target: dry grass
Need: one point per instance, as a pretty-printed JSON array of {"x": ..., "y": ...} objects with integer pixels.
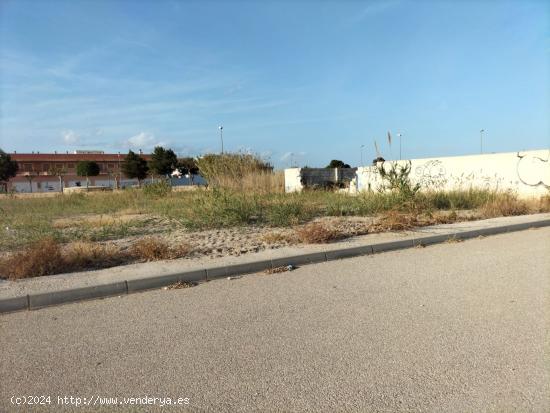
[
  {"x": 506, "y": 205},
  {"x": 40, "y": 258},
  {"x": 542, "y": 204},
  {"x": 95, "y": 221},
  {"x": 395, "y": 220},
  {"x": 154, "y": 249},
  {"x": 85, "y": 255},
  {"x": 241, "y": 172},
  {"x": 276, "y": 237},
  {"x": 258, "y": 182},
  {"x": 48, "y": 257},
  {"x": 316, "y": 233}
]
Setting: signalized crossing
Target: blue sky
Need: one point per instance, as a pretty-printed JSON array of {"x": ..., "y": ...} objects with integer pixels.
[{"x": 317, "y": 79}]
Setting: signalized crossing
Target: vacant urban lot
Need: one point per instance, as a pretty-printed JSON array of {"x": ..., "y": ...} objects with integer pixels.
[
  {"x": 42, "y": 236},
  {"x": 453, "y": 327}
]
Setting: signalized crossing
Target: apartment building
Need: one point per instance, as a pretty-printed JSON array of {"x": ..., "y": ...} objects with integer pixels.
[{"x": 49, "y": 172}]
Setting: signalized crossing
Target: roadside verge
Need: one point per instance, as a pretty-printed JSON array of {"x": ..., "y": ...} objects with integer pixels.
[{"x": 32, "y": 294}]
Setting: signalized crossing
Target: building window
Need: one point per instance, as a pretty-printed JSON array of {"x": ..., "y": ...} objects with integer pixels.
[
  {"x": 111, "y": 166},
  {"x": 27, "y": 167},
  {"x": 71, "y": 166},
  {"x": 45, "y": 167}
]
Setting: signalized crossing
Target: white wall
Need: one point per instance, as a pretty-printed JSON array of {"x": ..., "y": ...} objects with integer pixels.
[
  {"x": 527, "y": 173},
  {"x": 292, "y": 180}
]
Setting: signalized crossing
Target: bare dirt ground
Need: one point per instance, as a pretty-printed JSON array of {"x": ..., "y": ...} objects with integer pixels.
[
  {"x": 100, "y": 241},
  {"x": 237, "y": 241}
]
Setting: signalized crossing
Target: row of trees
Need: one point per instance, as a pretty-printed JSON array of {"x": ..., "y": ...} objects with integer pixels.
[{"x": 163, "y": 162}]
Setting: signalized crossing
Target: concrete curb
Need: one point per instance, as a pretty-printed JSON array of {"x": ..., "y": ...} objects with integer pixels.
[{"x": 35, "y": 301}]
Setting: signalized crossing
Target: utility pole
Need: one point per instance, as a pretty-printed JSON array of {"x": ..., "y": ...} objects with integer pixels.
[
  {"x": 481, "y": 140},
  {"x": 221, "y": 135}
]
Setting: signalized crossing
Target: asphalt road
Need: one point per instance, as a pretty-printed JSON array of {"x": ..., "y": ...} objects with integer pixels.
[{"x": 454, "y": 327}]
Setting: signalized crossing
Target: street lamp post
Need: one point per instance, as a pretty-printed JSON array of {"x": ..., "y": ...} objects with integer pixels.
[
  {"x": 221, "y": 135},
  {"x": 481, "y": 140},
  {"x": 400, "y": 135}
]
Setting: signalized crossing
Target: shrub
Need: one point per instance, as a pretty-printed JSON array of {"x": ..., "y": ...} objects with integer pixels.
[
  {"x": 316, "y": 233},
  {"x": 396, "y": 179},
  {"x": 395, "y": 220},
  {"x": 154, "y": 249},
  {"x": 42, "y": 257},
  {"x": 240, "y": 171},
  {"x": 85, "y": 255},
  {"x": 219, "y": 208}
]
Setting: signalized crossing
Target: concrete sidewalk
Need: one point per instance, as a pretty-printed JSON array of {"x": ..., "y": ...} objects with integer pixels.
[{"x": 39, "y": 292}]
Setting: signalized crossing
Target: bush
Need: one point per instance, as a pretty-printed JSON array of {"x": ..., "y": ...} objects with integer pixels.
[
  {"x": 219, "y": 208},
  {"x": 395, "y": 220},
  {"x": 85, "y": 255},
  {"x": 154, "y": 249},
  {"x": 396, "y": 179},
  {"x": 316, "y": 233},
  {"x": 240, "y": 171},
  {"x": 158, "y": 189},
  {"x": 40, "y": 258}
]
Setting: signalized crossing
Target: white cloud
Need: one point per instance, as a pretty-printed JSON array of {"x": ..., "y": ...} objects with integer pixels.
[
  {"x": 288, "y": 155},
  {"x": 144, "y": 141},
  {"x": 374, "y": 8},
  {"x": 70, "y": 137}
]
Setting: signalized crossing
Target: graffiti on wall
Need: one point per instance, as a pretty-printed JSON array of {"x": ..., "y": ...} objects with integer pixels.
[
  {"x": 431, "y": 174},
  {"x": 533, "y": 170},
  {"x": 527, "y": 173}
]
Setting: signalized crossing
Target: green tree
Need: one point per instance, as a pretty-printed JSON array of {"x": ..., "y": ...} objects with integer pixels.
[
  {"x": 8, "y": 168},
  {"x": 188, "y": 166},
  {"x": 87, "y": 169},
  {"x": 335, "y": 163},
  {"x": 134, "y": 166},
  {"x": 163, "y": 161}
]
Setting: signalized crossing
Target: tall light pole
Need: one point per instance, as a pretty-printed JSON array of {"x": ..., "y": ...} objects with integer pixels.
[
  {"x": 361, "y": 149},
  {"x": 400, "y": 134},
  {"x": 481, "y": 140},
  {"x": 221, "y": 135}
]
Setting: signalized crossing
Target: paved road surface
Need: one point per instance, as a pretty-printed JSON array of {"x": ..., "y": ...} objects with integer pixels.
[{"x": 453, "y": 327}]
